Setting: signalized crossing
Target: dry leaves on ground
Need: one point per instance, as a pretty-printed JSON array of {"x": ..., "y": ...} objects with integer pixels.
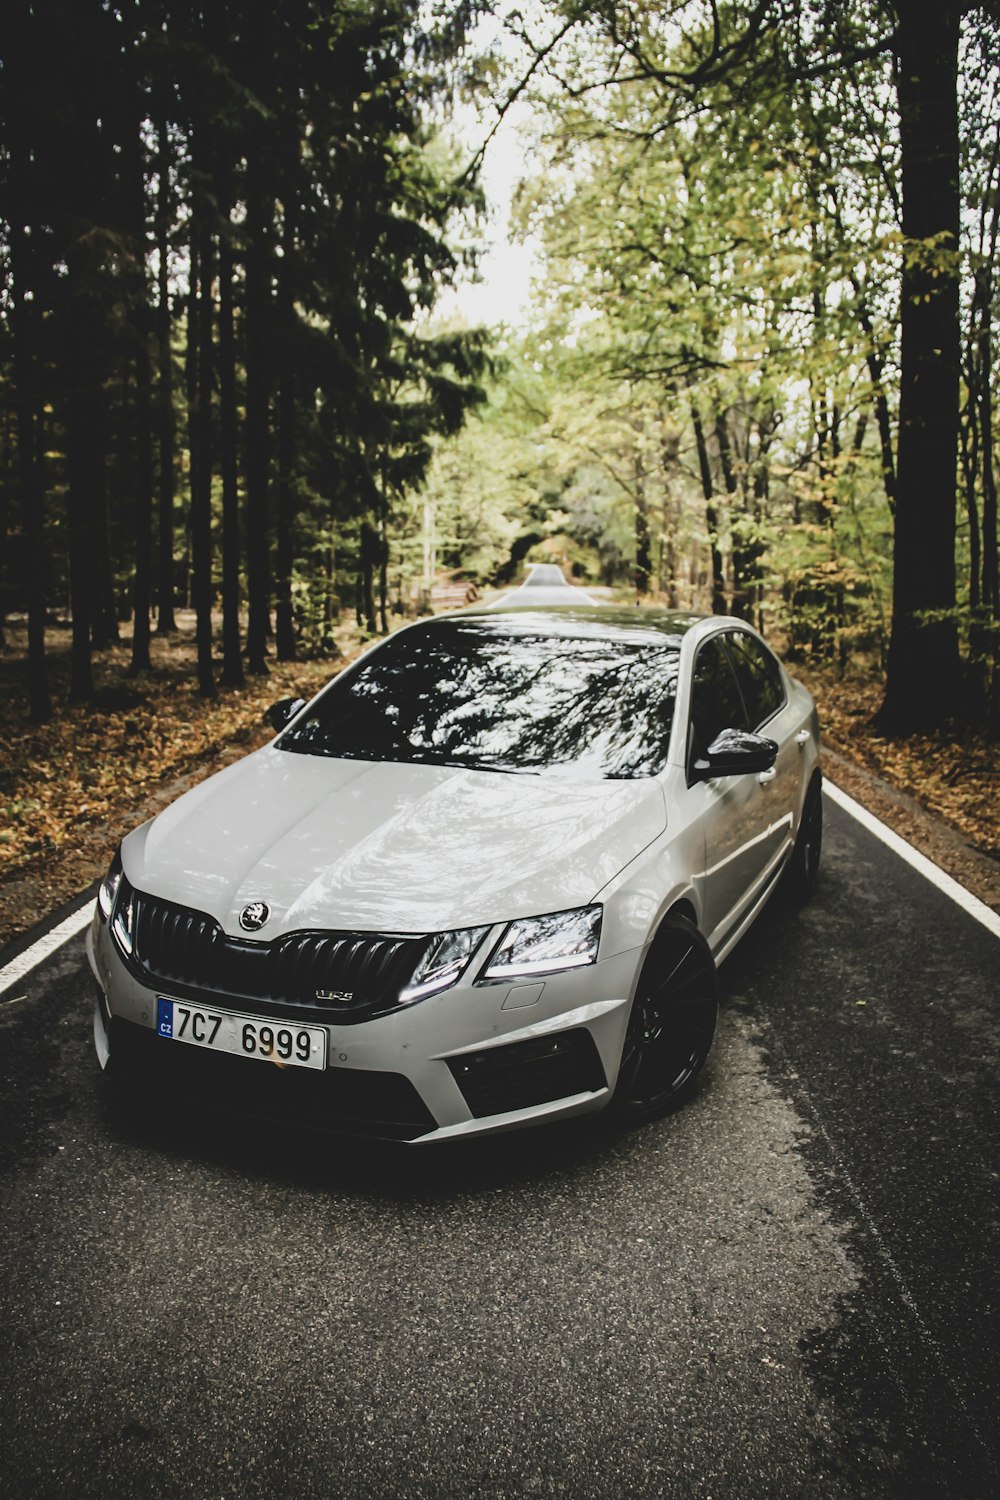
[
  {"x": 955, "y": 775},
  {"x": 70, "y": 789}
]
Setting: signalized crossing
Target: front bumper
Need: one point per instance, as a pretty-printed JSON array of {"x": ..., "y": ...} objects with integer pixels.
[{"x": 473, "y": 1060}]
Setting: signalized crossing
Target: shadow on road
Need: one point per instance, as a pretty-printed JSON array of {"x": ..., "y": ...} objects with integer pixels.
[{"x": 321, "y": 1161}]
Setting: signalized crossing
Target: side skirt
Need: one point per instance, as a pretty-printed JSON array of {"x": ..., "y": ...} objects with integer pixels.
[{"x": 757, "y": 902}]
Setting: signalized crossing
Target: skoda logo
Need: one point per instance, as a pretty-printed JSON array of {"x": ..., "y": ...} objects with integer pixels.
[{"x": 254, "y": 915}]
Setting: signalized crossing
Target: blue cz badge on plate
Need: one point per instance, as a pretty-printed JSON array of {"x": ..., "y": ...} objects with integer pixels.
[{"x": 165, "y": 1018}]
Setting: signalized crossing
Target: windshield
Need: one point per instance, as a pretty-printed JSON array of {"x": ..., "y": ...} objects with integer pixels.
[{"x": 470, "y": 694}]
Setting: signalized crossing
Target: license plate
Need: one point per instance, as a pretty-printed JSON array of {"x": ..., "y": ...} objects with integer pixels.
[{"x": 277, "y": 1042}]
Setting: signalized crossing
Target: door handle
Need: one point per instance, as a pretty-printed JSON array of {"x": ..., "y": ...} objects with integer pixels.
[
  {"x": 766, "y": 776},
  {"x": 802, "y": 738}
]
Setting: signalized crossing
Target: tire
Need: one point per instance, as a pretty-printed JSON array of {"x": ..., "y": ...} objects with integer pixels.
[
  {"x": 803, "y": 867},
  {"x": 670, "y": 1027}
]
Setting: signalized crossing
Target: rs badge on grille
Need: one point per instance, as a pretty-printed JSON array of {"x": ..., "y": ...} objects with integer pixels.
[{"x": 341, "y": 997}]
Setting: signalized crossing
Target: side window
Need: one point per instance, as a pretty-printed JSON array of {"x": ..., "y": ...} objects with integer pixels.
[
  {"x": 758, "y": 674},
  {"x": 715, "y": 699}
]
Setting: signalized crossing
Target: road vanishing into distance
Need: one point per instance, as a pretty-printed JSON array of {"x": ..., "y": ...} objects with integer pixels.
[{"x": 787, "y": 1289}]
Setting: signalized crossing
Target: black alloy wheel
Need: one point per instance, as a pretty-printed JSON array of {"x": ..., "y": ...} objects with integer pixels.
[
  {"x": 803, "y": 867},
  {"x": 672, "y": 1024}
]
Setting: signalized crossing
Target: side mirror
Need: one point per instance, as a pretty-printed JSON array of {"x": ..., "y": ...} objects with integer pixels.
[
  {"x": 735, "y": 752},
  {"x": 282, "y": 712}
]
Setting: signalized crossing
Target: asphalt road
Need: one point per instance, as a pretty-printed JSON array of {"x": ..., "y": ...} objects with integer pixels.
[{"x": 788, "y": 1289}]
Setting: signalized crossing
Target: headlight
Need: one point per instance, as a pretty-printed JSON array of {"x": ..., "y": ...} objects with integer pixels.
[
  {"x": 123, "y": 925},
  {"x": 542, "y": 945},
  {"x": 441, "y": 965},
  {"x": 109, "y": 887}
]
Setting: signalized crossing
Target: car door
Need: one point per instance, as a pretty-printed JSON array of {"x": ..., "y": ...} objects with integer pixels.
[
  {"x": 733, "y": 811},
  {"x": 763, "y": 690}
]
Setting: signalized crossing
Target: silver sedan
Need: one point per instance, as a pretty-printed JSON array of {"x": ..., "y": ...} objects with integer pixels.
[{"x": 483, "y": 879}]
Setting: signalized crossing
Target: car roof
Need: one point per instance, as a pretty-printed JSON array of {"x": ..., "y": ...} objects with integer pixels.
[
  {"x": 546, "y": 603},
  {"x": 651, "y": 626}
]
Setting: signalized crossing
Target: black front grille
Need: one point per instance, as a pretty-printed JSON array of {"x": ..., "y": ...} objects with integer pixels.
[
  {"x": 523, "y": 1074},
  {"x": 163, "y": 1074},
  {"x": 336, "y": 976}
]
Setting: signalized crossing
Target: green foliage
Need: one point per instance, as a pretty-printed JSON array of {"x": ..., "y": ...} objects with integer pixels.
[
  {"x": 718, "y": 328},
  {"x": 706, "y": 408}
]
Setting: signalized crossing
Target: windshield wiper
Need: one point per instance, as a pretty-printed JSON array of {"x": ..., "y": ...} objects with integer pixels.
[
  {"x": 408, "y": 757},
  {"x": 481, "y": 765}
]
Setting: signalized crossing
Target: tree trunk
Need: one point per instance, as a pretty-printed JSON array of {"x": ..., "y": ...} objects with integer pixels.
[
  {"x": 711, "y": 515},
  {"x": 29, "y": 469},
  {"x": 80, "y": 370},
  {"x": 104, "y": 611},
  {"x": 668, "y": 550},
  {"x": 976, "y": 431},
  {"x": 991, "y": 577},
  {"x": 192, "y": 319},
  {"x": 667, "y": 570},
  {"x": 761, "y": 493},
  {"x": 200, "y": 332},
  {"x": 429, "y": 547},
  {"x": 745, "y": 547},
  {"x": 80, "y": 465},
  {"x": 258, "y": 301},
  {"x": 232, "y": 661},
  {"x": 643, "y": 546},
  {"x": 284, "y": 622},
  {"x": 366, "y": 599},
  {"x": 165, "y": 622},
  {"x": 922, "y": 679},
  {"x": 143, "y": 503},
  {"x": 142, "y": 408},
  {"x": 284, "y": 615},
  {"x": 968, "y": 430},
  {"x": 383, "y": 575},
  {"x": 330, "y": 611},
  {"x": 880, "y": 402}
]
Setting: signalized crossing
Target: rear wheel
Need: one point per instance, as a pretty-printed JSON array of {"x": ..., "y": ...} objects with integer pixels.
[
  {"x": 671, "y": 1026},
  {"x": 803, "y": 867}
]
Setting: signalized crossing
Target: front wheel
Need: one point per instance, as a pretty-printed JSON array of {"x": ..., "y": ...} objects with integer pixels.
[{"x": 671, "y": 1026}]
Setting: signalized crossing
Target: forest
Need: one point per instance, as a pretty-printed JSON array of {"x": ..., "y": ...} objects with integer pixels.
[{"x": 756, "y": 374}]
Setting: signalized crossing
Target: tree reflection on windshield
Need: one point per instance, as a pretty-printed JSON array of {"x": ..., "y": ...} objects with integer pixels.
[{"x": 466, "y": 694}]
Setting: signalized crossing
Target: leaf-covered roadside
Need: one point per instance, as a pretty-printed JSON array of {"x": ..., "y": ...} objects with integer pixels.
[
  {"x": 953, "y": 775},
  {"x": 70, "y": 789}
]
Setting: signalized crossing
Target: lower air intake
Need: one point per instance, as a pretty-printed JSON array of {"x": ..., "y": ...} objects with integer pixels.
[{"x": 523, "y": 1074}]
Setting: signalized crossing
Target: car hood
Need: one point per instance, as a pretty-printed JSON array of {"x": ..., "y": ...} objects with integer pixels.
[{"x": 360, "y": 846}]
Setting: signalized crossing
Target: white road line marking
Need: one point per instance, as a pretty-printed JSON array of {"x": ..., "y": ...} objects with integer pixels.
[
  {"x": 958, "y": 893},
  {"x": 68, "y": 928}
]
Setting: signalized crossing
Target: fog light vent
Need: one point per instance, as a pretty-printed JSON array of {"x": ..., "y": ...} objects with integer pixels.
[{"x": 523, "y": 1074}]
